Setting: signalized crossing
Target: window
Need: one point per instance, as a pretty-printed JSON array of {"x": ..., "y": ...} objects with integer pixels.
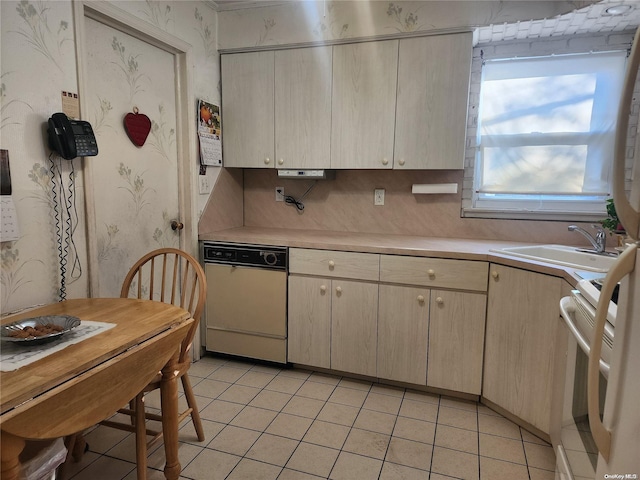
[{"x": 546, "y": 132}]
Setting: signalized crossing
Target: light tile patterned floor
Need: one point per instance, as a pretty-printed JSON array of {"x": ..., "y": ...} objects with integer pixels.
[{"x": 263, "y": 422}]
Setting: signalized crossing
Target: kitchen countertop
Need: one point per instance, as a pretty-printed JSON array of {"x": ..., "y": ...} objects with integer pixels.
[{"x": 454, "y": 248}]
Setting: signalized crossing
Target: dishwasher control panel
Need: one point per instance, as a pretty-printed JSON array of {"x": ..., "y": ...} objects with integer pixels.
[{"x": 245, "y": 255}]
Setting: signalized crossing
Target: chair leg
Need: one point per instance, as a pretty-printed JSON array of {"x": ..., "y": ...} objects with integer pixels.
[
  {"x": 141, "y": 437},
  {"x": 132, "y": 407},
  {"x": 191, "y": 401},
  {"x": 69, "y": 443},
  {"x": 79, "y": 448},
  {"x": 76, "y": 447}
]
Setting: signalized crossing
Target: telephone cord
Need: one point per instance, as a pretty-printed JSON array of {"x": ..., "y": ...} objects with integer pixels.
[
  {"x": 58, "y": 227},
  {"x": 72, "y": 225}
]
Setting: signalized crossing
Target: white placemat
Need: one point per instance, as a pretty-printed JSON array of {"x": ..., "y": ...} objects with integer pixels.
[{"x": 14, "y": 356}]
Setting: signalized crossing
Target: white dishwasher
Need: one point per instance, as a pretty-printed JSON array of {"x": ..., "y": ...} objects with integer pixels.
[{"x": 246, "y": 310}]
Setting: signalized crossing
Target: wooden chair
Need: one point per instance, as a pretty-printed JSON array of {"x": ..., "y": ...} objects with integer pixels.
[
  {"x": 172, "y": 276},
  {"x": 40, "y": 419}
]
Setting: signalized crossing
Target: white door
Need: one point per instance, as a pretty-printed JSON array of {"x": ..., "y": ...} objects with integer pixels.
[{"x": 135, "y": 189}]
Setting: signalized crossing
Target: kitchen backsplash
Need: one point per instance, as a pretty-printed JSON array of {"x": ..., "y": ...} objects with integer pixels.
[{"x": 345, "y": 203}]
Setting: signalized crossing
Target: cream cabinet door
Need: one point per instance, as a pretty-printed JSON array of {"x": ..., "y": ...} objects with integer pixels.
[
  {"x": 456, "y": 341},
  {"x": 363, "y": 104},
  {"x": 431, "y": 110},
  {"x": 354, "y": 312},
  {"x": 403, "y": 331},
  {"x": 309, "y": 321},
  {"x": 522, "y": 313},
  {"x": 303, "y": 107},
  {"x": 247, "y": 109}
]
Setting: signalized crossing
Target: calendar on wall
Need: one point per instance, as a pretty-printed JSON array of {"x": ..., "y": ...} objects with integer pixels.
[{"x": 209, "y": 133}]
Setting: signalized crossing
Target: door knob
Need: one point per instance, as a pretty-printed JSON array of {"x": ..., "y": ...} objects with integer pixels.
[{"x": 176, "y": 225}]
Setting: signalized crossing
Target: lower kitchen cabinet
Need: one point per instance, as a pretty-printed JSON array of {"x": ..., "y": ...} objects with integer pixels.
[
  {"x": 409, "y": 325},
  {"x": 309, "y": 321},
  {"x": 354, "y": 322},
  {"x": 456, "y": 341},
  {"x": 403, "y": 331},
  {"x": 333, "y": 324},
  {"x": 333, "y": 309},
  {"x": 522, "y": 314}
]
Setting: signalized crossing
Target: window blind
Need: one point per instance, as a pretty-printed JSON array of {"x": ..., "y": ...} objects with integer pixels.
[{"x": 547, "y": 127}]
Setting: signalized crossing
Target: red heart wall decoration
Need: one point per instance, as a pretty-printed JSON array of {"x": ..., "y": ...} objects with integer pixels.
[{"x": 137, "y": 125}]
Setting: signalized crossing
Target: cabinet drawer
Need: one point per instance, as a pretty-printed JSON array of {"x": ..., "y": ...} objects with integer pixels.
[
  {"x": 434, "y": 272},
  {"x": 329, "y": 263}
]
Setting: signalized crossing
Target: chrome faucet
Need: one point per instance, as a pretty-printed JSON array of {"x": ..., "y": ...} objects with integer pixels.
[{"x": 598, "y": 242}]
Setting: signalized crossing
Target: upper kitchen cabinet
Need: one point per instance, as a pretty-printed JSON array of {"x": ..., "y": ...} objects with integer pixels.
[
  {"x": 431, "y": 110},
  {"x": 303, "y": 107},
  {"x": 363, "y": 104},
  {"x": 247, "y": 109}
]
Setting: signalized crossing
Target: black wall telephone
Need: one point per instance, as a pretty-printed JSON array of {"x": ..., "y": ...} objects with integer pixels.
[{"x": 71, "y": 138}]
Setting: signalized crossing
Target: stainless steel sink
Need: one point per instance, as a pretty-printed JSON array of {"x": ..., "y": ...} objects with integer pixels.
[{"x": 562, "y": 255}]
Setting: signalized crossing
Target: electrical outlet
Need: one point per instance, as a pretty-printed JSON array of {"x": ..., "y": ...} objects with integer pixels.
[
  {"x": 204, "y": 186},
  {"x": 279, "y": 194},
  {"x": 378, "y": 196}
]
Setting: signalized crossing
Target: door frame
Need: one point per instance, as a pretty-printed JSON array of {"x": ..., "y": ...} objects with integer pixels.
[{"x": 119, "y": 19}]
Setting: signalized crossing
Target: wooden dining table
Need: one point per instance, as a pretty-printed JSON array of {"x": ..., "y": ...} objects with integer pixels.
[{"x": 87, "y": 382}]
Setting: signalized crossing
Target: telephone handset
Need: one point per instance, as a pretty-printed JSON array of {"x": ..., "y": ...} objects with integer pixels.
[{"x": 71, "y": 138}]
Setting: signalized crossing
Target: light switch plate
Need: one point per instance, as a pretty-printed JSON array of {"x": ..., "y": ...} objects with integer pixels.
[
  {"x": 204, "y": 185},
  {"x": 378, "y": 196}
]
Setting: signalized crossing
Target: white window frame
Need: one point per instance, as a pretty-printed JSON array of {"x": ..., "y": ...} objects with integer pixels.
[{"x": 565, "y": 208}]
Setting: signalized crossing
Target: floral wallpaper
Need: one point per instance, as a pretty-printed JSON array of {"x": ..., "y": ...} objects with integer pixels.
[
  {"x": 314, "y": 21},
  {"x": 38, "y": 62}
]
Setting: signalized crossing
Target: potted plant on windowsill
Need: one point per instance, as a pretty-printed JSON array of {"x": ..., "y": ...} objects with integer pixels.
[{"x": 612, "y": 223}]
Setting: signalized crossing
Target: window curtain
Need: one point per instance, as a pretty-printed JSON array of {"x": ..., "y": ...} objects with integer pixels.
[{"x": 547, "y": 125}]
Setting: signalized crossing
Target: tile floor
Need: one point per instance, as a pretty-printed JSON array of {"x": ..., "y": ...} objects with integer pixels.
[{"x": 263, "y": 422}]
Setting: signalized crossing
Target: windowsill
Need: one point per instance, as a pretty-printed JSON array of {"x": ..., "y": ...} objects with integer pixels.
[{"x": 532, "y": 215}]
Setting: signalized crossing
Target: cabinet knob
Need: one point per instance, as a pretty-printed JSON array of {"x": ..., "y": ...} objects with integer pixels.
[
  {"x": 332, "y": 264},
  {"x": 267, "y": 160},
  {"x": 323, "y": 288},
  {"x": 338, "y": 290},
  {"x": 439, "y": 300},
  {"x": 281, "y": 161},
  {"x": 495, "y": 274},
  {"x": 401, "y": 162},
  {"x": 385, "y": 161},
  {"x": 420, "y": 298},
  {"x": 431, "y": 272}
]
